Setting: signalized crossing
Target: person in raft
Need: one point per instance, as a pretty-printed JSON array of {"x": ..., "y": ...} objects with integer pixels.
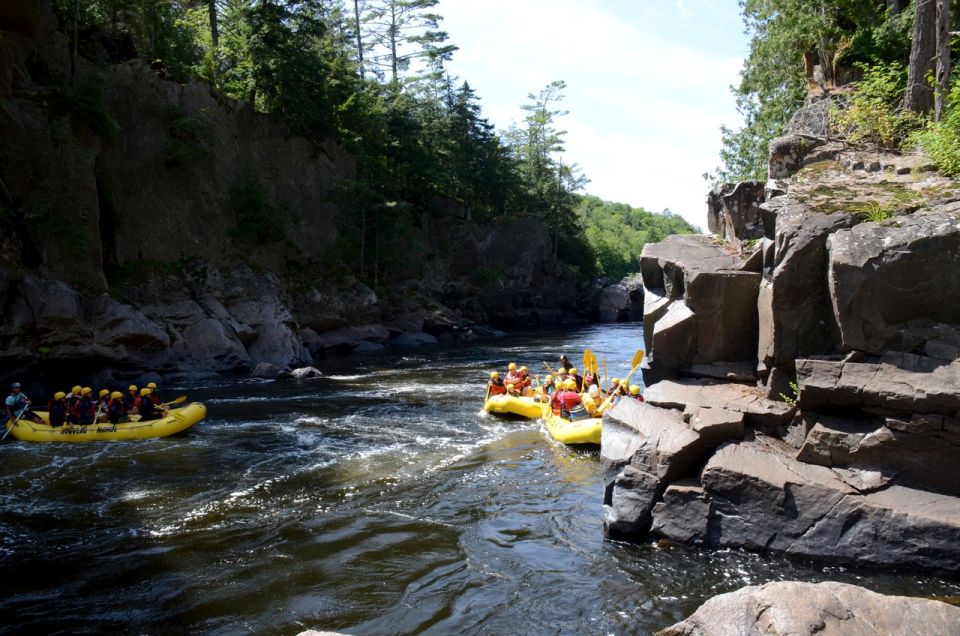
[
  {"x": 566, "y": 399},
  {"x": 526, "y": 383},
  {"x": 512, "y": 390},
  {"x": 495, "y": 385},
  {"x": 145, "y": 406},
  {"x": 635, "y": 392},
  {"x": 73, "y": 398},
  {"x": 100, "y": 406},
  {"x": 513, "y": 376},
  {"x": 115, "y": 408},
  {"x": 564, "y": 362},
  {"x": 57, "y": 409},
  {"x": 18, "y": 406},
  {"x": 130, "y": 399},
  {"x": 543, "y": 392},
  {"x": 592, "y": 400},
  {"x": 576, "y": 377},
  {"x": 85, "y": 410},
  {"x": 154, "y": 395}
]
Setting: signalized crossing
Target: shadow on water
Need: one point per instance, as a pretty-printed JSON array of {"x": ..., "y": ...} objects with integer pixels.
[{"x": 378, "y": 499}]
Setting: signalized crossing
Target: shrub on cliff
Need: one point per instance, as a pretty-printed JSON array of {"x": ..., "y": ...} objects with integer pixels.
[
  {"x": 941, "y": 139},
  {"x": 874, "y": 113}
]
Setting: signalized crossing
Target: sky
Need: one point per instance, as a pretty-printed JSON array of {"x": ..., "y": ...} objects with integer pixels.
[{"x": 648, "y": 85}]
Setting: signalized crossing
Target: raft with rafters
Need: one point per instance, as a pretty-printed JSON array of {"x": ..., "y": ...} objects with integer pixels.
[
  {"x": 514, "y": 405},
  {"x": 175, "y": 421},
  {"x": 585, "y": 431}
]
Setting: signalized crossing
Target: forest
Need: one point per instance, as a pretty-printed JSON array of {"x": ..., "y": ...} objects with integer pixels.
[
  {"x": 373, "y": 74},
  {"x": 896, "y": 53}
]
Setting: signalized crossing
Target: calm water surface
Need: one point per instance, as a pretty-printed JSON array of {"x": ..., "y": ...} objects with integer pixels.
[{"x": 377, "y": 500}]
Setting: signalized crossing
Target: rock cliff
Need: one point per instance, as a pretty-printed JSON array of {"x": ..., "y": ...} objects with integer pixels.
[
  {"x": 803, "y": 381},
  {"x": 154, "y": 225}
]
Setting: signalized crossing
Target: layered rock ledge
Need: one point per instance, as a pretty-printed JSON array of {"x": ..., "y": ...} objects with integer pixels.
[{"x": 802, "y": 368}]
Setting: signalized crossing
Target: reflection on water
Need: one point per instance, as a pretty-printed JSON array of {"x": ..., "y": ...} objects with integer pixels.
[{"x": 378, "y": 499}]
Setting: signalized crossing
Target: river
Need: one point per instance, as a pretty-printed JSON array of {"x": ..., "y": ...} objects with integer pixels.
[{"x": 376, "y": 500}]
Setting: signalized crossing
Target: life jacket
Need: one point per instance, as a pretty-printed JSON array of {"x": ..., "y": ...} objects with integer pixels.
[
  {"x": 563, "y": 401},
  {"x": 497, "y": 387},
  {"x": 525, "y": 380},
  {"x": 85, "y": 410},
  {"x": 58, "y": 412},
  {"x": 73, "y": 414},
  {"x": 146, "y": 408},
  {"x": 155, "y": 398},
  {"x": 115, "y": 410},
  {"x": 513, "y": 378},
  {"x": 130, "y": 401}
]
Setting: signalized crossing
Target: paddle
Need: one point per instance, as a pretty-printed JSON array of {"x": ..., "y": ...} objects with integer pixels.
[
  {"x": 183, "y": 398},
  {"x": 606, "y": 378},
  {"x": 22, "y": 411},
  {"x": 550, "y": 369},
  {"x": 637, "y": 359},
  {"x": 487, "y": 394},
  {"x": 587, "y": 356}
]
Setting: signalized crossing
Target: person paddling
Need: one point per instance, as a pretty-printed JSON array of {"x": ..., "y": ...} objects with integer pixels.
[
  {"x": 146, "y": 407},
  {"x": 130, "y": 399},
  {"x": 495, "y": 386},
  {"x": 18, "y": 406},
  {"x": 115, "y": 408},
  {"x": 154, "y": 395},
  {"x": 73, "y": 398},
  {"x": 85, "y": 407},
  {"x": 57, "y": 409}
]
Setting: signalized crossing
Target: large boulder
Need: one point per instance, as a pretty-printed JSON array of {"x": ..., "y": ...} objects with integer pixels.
[
  {"x": 733, "y": 211},
  {"x": 884, "y": 275},
  {"x": 787, "y": 154},
  {"x": 825, "y": 609},
  {"x": 760, "y": 498},
  {"x": 614, "y": 299},
  {"x": 663, "y": 264},
  {"x": 645, "y": 448},
  {"x": 725, "y": 304}
]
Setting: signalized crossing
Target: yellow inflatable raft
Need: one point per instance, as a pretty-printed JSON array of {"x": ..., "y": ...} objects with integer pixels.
[
  {"x": 510, "y": 405},
  {"x": 175, "y": 421},
  {"x": 585, "y": 431}
]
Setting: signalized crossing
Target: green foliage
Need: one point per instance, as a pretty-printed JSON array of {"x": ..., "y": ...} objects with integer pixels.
[
  {"x": 773, "y": 84},
  {"x": 257, "y": 221},
  {"x": 873, "y": 113},
  {"x": 618, "y": 232},
  {"x": 941, "y": 140},
  {"x": 875, "y": 211},
  {"x": 791, "y": 399},
  {"x": 191, "y": 139},
  {"x": 85, "y": 105}
]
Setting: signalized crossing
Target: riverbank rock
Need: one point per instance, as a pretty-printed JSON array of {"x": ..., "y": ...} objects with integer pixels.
[
  {"x": 740, "y": 398},
  {"x": 645, "y": 448},
  {"x": 733, "y": 211},
  {"x": 826, "y": 609},
  {"x": 757, "y": 496}
]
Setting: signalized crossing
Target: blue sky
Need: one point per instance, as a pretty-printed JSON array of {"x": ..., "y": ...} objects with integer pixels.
[{"x": 647, "y": 85}]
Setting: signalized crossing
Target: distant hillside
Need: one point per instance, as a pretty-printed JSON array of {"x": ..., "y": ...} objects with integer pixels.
[{"x": 617, "y": 232}]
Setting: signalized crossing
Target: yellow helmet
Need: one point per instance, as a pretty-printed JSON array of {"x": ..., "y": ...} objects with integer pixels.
[
  {"x": 152, "y": 385},
  {"x": 116, "y": 395},
  {"x": 615, "y": 381},
  {"x": 512, "y": 366},
  {"x": 104, "y": 392},
  {"x": 548, "y": 379},
  {"x": 75, "y": 389},
  {"x": 572, "y": 371},
  {"x": 494, "y": 375},
  {"x": 85, "y": 390},
  {"x": 132, "y": 387},
  {"x": 59, "y": 395},
  {"x": 524, "y": 369},
  {"x": 634, "y": 389},
  {"x": 510, "y": 387},
  {"x": 561, "y": 371},
  {"x": 570, "y": 384},
  {"x": 145, "y": 391}
]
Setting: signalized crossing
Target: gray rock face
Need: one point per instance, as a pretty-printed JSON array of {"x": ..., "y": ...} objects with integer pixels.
[
  {"x": 267, "y": 371},
  {"x": 761, "y": 498},
  {"x": 825, "y": 609},
  {"x": 739, "y": 398},
  {"x": 901, "y": 383},
  {"x": 725, "y": 304},
  {"x": 795, "y": 315},
  {"x": 882, "y": 276},
  {"x": 733, "y": 211},
  {"x": 414, "y": 339},
  {"x": 910, "y": 449},
  {"x": 614, "y": 299},
  {"x": 645, "y": 448},
  {"x": 663, "y": 264},
  {"x": 344, "y": 339},
  {"x": 787, "y": 154}
]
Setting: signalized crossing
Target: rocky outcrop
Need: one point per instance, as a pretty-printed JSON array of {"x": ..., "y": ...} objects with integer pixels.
[
  {"x": 825, "y": 609},
  {"x": 835, "y": 338}
]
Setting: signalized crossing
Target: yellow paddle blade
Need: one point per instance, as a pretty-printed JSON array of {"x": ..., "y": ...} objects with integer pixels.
[
  {"x": 179, "y": 400},
  {"x": 637, "y": 358},
  {"x": 587, "y": 354},
  {"x": 133, "y": 418},
  {"x": 593, "y": 364}
]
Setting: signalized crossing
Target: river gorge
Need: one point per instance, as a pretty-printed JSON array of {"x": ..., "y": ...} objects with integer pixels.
[{"x": 377, "y": 499}]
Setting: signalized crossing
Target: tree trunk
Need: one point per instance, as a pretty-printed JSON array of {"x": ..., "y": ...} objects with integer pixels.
[
  {"x": 943, "y": 55},
  {"x": 356, "y": 15},
  {"x": 393, "y": 32},
  {"x": 919, "y": 96}
]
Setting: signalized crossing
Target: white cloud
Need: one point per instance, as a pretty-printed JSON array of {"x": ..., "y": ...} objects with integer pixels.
[{"x": 648, "y": 85}]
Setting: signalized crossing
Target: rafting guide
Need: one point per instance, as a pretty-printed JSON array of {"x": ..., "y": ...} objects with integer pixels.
[{"x": 18, "y": 405}]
